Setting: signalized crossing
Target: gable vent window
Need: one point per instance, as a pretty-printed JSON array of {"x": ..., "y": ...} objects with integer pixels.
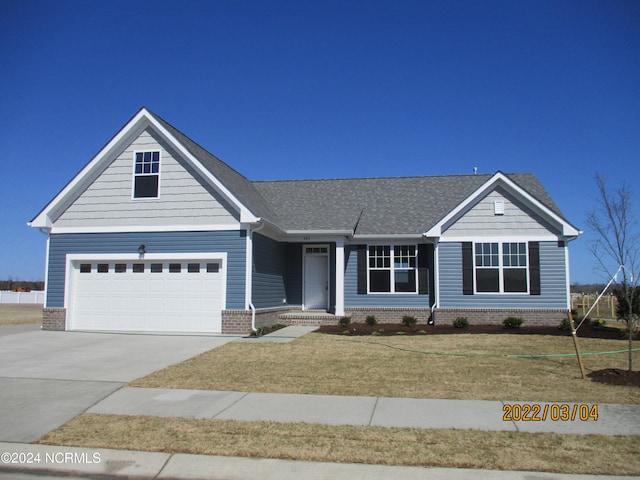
[
  {"x": 498, "y": 207},
  {"x": 146, "y": 175}
]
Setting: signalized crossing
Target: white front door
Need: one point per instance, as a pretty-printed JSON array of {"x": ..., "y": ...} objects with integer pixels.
[{"x": 316, "y": 278}]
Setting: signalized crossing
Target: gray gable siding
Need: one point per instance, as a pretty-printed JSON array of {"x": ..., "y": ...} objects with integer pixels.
[
  {"x": 232, "y": 242},
  {"x": 269, "y": 272},
  {"x": 518, "y": 219},
  {"x": 552, "y": 282},
  {"x": 352, "y": 299},
  {"x": 183, "y": 199}
]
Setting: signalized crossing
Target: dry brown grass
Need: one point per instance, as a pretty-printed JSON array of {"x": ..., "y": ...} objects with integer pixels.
[
  {"x": 414, "y": 367},
  {"x": 585, "y": 454},
  {"x": 14, "y": 313}
]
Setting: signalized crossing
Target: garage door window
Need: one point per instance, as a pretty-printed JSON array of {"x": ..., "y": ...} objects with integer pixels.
[
  {"x": 156, "y": 268},
  {"x": 175, "y": 268},
  {"x": 213, "y": 267},
  {"x": 138, "y": 268},
  {"x": 120, "y": 268},
  {"x": 103, "y": 268},
  {"x": 193, "y": 268}
]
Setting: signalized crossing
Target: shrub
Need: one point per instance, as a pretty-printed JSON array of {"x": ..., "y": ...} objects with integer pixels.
[
  {"x": 344, "y": 322},
  {"x": 461, "y": 322},
  {"x": 512, "y": 322},
  {"x": 409, "y": 321},
  {"x": 371, "y": 320},
  {"x": 565, "y": 325}
]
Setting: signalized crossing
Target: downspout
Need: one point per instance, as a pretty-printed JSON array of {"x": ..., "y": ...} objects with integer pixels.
[{"x": 251, "y": 305}]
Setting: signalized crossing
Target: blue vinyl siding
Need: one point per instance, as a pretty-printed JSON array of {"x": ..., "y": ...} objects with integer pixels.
[
  {"x": 232, "y": 242},
  {"x": 293, "y": 276},
  {"x": 269, "y": 272},
  {"x": 553, "y": 288},
  {"x": 352, "y": 299}
]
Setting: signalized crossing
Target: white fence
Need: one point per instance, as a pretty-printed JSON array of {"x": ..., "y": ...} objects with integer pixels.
[{"x": 34, "y": 296}]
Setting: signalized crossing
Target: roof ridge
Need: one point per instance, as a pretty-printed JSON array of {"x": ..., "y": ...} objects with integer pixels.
[{"x": 488, "y": 175}]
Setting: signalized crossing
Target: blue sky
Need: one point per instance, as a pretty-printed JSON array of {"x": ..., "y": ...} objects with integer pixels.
[{"x": 323, "y": 89}]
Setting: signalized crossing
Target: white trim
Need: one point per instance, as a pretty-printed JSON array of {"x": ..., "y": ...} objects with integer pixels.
[
  {"x": 149, "y": 228},
  {"x": 504, "y": 238},
  {"x": 248, "y": 273},
  {"x": 436, "y": 273},
  {"x": 142, "y": 120},
  {"x": 500, "y": 268},
  {"x": 46, "y": 272},
  {"x": 567, "y": 273},
  {"x": 326, "y": 254},
  {"x": 339, "y": 281},
  {"x": 134, "y": 175},
  {"x": 567, "y": 229},
  {"x": 392, "y": 268}
]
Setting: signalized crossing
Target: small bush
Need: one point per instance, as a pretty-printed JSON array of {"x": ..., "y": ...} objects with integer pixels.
[
  {"x": 512, "y": 322},
  {"x": 409, "y": 321},
  {"x": 344, "y": 322},
  {"x": 461, "y": 322},
  {"x": 565, "y": 325},
  {"x": 371, "y": 320},
  {"x": 375, "y": 334}
]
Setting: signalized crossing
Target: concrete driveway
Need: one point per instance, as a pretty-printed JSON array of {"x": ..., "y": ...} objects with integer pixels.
[{"x": 47, "y": 378}]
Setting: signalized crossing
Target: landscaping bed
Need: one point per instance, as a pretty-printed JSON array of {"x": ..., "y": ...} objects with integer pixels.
[{"x": 392, "y": 329}]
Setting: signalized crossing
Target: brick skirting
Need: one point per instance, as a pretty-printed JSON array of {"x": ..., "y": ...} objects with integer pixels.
[
  {"x": 238, "y": 322},
  {"x": 54, "y": 318},
  {"x": 489, "y": 316}
]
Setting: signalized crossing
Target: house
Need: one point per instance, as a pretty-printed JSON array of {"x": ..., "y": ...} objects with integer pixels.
[{"x": 157, "y": 234}]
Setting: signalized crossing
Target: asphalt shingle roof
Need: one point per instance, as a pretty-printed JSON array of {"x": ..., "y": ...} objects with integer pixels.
[
  {"x": 392, "y": 205},
  {"x": 370, "y": 206}
]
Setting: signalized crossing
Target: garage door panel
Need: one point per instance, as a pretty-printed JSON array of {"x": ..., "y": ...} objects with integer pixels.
[{"x": 161, "y": 300}]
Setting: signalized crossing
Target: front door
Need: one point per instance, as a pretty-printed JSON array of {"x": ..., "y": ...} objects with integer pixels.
[{"x": 316, "y": 278}]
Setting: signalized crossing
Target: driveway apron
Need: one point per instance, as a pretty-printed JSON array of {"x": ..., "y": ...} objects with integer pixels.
[{"x": 47, "y": 378}]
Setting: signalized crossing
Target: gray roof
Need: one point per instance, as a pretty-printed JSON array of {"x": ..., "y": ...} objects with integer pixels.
[{"x": 368, "y": 206}]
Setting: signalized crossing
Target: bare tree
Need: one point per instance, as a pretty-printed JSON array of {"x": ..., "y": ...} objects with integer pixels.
[{"x": 616, "y": 247}]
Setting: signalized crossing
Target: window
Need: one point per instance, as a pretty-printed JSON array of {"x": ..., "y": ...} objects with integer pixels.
[
  {"x": 146, "y": 175},
  {"x": 397, "y": 276},
  {"x": 121, "y": 268},
  {"x": 501, "y": 267},
  {"x": 85, "y": 268},
  {"x": 193, "y": 267},
  {"x": 213, "y": 267},
  {"x": 156, "y": 268},
  {"x": 175, "y": 267},
  {"x": 138, "y": 268},
  {"x": 103, "y": 268}
]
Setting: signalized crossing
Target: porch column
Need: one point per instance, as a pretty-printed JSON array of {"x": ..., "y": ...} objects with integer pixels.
[{"x": 339, "y": 281}]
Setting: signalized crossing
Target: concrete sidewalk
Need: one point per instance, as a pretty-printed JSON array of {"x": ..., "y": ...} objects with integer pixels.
[
  {"x": 613, "y": 419},
  {"x": 121, "y": 464}
]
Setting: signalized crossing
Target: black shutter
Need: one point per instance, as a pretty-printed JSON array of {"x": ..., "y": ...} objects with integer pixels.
[
  {"x": 534, "y": 268},
  {"x": 467, "y": 268},
  {"x": 362, "y": 269},
  {"x": 425, "y": 259}
]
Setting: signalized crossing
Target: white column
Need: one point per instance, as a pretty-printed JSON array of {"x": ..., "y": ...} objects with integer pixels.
[{"x": 339, "y": 282}]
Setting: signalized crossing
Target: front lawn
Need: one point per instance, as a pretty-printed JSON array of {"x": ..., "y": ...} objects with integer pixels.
[{"x": 462, "y": 366}]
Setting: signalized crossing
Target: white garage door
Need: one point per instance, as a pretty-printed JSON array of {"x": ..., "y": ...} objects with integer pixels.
[{"x": 147, "y": 296}]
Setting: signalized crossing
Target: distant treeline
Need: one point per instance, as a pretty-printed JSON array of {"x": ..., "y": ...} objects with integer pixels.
[
  {"x": 589, "y": 288},
  {"x": 20, "y": 286}
]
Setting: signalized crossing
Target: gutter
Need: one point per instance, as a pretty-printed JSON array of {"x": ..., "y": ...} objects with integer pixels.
[{"x": 251, "y": 305}]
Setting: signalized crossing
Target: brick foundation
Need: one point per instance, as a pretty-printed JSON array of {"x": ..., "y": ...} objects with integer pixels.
[
  {"x": 238, "y": 322},
  {"x": 54, "y": 318},
  {"x": 488, "y": 316}
]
